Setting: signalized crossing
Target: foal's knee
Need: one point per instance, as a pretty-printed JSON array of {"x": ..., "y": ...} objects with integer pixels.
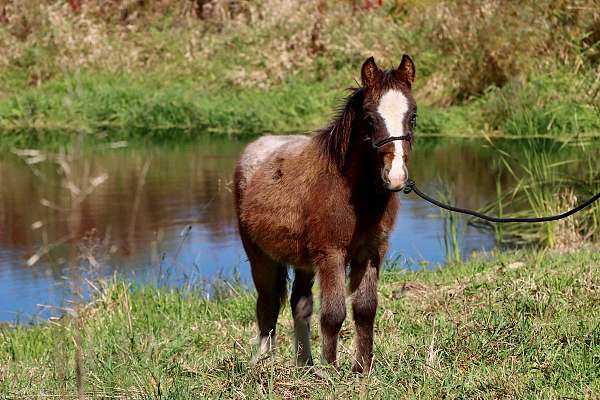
[
  {"x": 364, "y": 309},
  {"x": 333, "y": 315}
]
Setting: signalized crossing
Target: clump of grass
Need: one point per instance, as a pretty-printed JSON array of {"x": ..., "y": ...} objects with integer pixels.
[
  {"x": 558, "y": 104},
  {"x": 519, "y": 325},
  {"x": 125, "y": 108},
  {"x": 453, "y": 228},
  {"x": 551, "y": 179}
]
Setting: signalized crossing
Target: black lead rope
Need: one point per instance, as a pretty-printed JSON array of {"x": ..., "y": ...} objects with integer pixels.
[{"x": 411, "y": 186}]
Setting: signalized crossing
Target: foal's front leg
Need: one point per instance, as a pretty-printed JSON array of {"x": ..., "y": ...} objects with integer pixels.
[
  {"x": 363, "y": 285},
  {"x": 332, "y": 275}
]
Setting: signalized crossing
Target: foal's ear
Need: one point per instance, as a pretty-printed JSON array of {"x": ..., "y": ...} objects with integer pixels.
[
  {"x": 369, "y": 73},
  {"x": 406, "y": 70}
]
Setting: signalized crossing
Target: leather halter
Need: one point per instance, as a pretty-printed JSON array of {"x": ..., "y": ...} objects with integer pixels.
[{"x": 390, "y": 139}]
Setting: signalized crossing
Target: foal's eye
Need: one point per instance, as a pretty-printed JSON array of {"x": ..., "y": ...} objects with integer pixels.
[{"x": 413, "y": 121}]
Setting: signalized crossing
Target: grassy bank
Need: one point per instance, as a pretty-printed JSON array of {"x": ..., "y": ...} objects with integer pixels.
[
  {"x": 519, "y": 325},
  {"x": 126, "y": 69},
  {"x": 117, "y": 108}
]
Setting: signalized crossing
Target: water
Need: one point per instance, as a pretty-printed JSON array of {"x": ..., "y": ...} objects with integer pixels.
[{"x": 169, "y": 212}]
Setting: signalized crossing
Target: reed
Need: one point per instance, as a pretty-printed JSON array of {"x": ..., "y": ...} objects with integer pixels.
[
  {"x": 551, "y": 178},
  {"x": 453, "y": 226}
]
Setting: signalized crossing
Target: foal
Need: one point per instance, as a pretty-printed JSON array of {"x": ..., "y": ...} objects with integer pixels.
[{"x": 321, "y": 204}]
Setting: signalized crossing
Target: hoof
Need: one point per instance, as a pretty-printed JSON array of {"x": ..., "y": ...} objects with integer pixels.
[
  {"x": 361, "y": 368},
  {"x": 304, "y": 362},
  {"x": 266, "y": 348},
  {"x": 321, "y": 373},
  {"x": 258, "y": 358}
]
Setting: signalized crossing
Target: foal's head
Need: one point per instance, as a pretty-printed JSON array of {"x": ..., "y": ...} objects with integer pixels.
[{"x": 389, "y": 109}]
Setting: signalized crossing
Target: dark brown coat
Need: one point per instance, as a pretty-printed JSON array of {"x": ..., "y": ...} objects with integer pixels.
[{"x": 318, "y": 204}]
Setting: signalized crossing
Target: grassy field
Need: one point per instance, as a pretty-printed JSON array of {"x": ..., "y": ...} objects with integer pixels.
[
  {"x": 135, "y": 68},
  {"x": 509, "y": 325},
  {"x": 522, "y": 324}
]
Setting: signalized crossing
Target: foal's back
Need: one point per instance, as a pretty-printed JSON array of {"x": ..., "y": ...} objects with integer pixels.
[
  {"x": 271, "y": 182},
  {"x": 259, "y": 154}
]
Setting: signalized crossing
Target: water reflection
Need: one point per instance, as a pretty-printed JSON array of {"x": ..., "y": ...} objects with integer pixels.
[{"x": 136, "y": 222}]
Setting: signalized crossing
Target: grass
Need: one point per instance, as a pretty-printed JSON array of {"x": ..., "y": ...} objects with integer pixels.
[
  {"x": 523, "y": 324},
  {"x": 550, "y": 178},
  {"x": 553, "y": 104},
  {"x": 453, "y": 226},
  {"x": 129, "y": 109},
  {"x": 517, "y": 325},
  {"x": 118, "y": 108},
  {"x": 164, "y": 69}
]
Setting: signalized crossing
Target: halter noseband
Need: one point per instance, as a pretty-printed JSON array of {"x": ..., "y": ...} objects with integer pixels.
[{"x": 390, "y": 139}]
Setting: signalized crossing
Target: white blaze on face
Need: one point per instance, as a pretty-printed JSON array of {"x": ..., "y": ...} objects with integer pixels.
[{"x": 393, "y": 108}]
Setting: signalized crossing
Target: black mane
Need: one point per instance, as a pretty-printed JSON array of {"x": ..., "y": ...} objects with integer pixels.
[{"x": 334, "y": 140}]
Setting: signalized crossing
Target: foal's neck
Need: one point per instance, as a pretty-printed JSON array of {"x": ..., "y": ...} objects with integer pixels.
[{"x": 364, "y": 176}]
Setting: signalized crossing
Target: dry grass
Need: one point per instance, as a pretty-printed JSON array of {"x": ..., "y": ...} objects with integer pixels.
[{"x": 464, "y": 48}]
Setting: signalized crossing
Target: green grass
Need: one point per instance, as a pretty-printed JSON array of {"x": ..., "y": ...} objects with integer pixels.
[
  {"x": 142, "y": 69},
  {"x": 518, "y": 325},
  {"x": 105, "y": 107},
  {"x": 549, "y": 178},
  {"x": 123, "y": 107},
  {"x": 553, "y": 104}
]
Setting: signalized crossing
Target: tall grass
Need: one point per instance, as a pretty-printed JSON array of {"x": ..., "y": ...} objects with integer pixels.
[
  {"x": 275, "y": 65},
  {"x": 557, "y": 104},
  {"x": 551, "y": 179},
  {"x": 453, "y": 227},
  {"x": 499, "y": 228},
  {"x": 127, "y": 107}
]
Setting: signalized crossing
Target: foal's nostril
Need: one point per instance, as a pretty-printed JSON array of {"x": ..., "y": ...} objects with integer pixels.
[{"x": 385, "y": 176}]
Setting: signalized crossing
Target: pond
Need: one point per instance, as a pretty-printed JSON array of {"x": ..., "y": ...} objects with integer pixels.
[{"x": 164, "y": 214}]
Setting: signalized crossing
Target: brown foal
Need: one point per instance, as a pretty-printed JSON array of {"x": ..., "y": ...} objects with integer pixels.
[{"x": 322, "y": 205}]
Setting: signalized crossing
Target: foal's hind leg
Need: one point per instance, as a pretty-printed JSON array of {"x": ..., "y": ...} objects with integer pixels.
[
  {"x": 333, "y": 307},
  {"x": 302, "y": 307},
  {"x": 270, "y": 280}
]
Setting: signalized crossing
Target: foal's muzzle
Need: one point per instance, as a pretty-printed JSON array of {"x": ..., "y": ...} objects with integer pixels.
[
  {"x": 396, "y": 186},
  {"x": 393, "y": 186}
]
